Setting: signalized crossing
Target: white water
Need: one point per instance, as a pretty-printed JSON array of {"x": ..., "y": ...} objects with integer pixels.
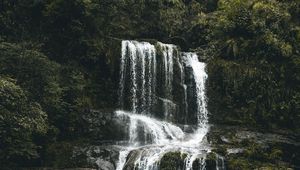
[
  {"x": 168, "y": 62},
  {"x": 150, "y": 137},
  {"x": 141, "y": 59},
  {"x": 168, "y": 107},
  {"x": 200, "y": 76},
  {"x": 184, "y": 86},
  {"x": 155, "y": 131},
  {"x": 158, "y": 138},
  {"x": 220, "y": 165},
  {"x": 168, "y": 67}
]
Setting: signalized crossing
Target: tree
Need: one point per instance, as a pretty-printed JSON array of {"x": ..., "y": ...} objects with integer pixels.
[{"x": 20, "y": 119}]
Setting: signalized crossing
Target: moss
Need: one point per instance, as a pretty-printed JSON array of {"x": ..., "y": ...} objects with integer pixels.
[
  {"x": 258, "y": 152},
  {"x": 272, "y": 167},
  {"x": 211, "y": 156},
  {"x": 172, "y": 161},
  {"x": 275, "y": 154},
  {"x": 197, "y": 164},
  {"x": 239, "y": 164},
  {"x": 211, "y": 160},
  {"x": 222, "y": 150},
  {"x": 243, "y": 163}
]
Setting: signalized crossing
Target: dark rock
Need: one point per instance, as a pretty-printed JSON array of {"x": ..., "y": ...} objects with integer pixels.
[
  {"x": 249, "y": 148},
  {"x": 131, "y": 158},
  {"x": 210, "y": 161},
  {"x": 103, "y": 157},
  {"x": 102, "y": 125},
  {"x": 191, "y": 96},
  {"x": 224, "y": 139},
  {"x": 234, "y": 150},
  {"x": 172, "y": 161}
]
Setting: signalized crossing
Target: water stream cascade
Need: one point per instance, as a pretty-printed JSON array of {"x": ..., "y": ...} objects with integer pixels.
[{"x": 162, "y": 102}]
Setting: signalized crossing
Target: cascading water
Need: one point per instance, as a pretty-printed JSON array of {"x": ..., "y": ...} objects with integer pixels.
[
  {"x": 168, "y": 63},
  {"x": 149, "y": 139},
  {"x": 220, "y": 165},
  {"x": 168, "y": 56},
  {"x": 140, "y": 78},
  {"x": 200, "y": 76}
]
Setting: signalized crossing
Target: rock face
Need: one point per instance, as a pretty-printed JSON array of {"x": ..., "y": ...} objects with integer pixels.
[
  {"x": 245, "y": 148},
  {"x": 172, "y": 160},
  {"x": 102, "y": 125},
  {"x": 102, "y": 157},
  {"x": 131, "y": 159}
]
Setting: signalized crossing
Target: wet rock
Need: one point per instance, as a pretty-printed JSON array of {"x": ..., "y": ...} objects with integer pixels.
[
  {"x": 224, "y": 139},
  {"x": 131, "y": 158},
  {"x": 189, "y": 128},
  {"x": 105, "y": 165},
  {"x": 172, "y": 161},
  {"x": 210, "y": 160},
  {"x": 199, "y": 164},
  {"x": 246, "y": 148},
  {"x": 102, "y": 125},
  {"x": 167, "y": 109},
  {"x": 191, "y": 96},
  {"x": 101, "y": 157},
  {"x": 214, "y": 161},
  {"x": 235, "y": 150}
]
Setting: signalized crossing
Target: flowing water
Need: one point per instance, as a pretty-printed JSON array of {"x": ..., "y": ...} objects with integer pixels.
[
  {"x": 149, "y": 137},
  {"x": 200, "y": 76},
  {"x": 138, "y": 74},
  {"x": 220, "y": 165},
  {"x": 168, "y": 64}
]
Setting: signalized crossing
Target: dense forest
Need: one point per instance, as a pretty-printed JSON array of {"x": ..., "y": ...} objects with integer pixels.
[{"x": 59, "y": 60}]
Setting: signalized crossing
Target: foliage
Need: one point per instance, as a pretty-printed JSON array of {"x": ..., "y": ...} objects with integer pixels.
[
  {"x": 251, "y": 93},
  {"x": 251, "y": 72},
  {"x": 62, "y": 58},
  {"x": 20, "y": 119},
  {"x": 57, "y": 89},
  {"x": 33, "y": 71}
]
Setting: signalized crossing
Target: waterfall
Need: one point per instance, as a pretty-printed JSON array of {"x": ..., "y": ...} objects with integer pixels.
[
  {"x": 200, "y": 76},
  {"x": 142, "y": 80},
  {"x": 155, "y": 131},
  {"x": 168, "y": 59},
  {"x": 220, "y": 165},
  {"x": 184, "y": 86},
  {"x": 140, "y": 57},
  {"x": 168, "y": 62}
]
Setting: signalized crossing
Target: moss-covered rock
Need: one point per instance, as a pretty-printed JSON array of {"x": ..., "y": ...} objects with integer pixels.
[
  {"x": 239, "y": 164},
  {"x": 172, "y": 161},
  {"x": 210, "y": 160},
  {"x": 245, "y": 148},
  {"x": 80, "y": 154}
]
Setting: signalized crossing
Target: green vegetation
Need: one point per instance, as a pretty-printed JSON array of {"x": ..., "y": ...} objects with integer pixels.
[
  {"x": 60, "y": 57},
  {"x": 21, "y": 121},
  {"x": 255, "y": 76},
  {"x": 172, "y": 161}
]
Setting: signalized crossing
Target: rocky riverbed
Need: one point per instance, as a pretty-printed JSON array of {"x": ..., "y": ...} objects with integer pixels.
[{"x": 232, "y": 147}]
